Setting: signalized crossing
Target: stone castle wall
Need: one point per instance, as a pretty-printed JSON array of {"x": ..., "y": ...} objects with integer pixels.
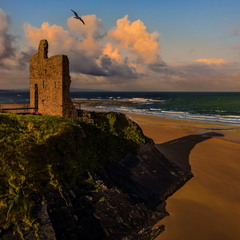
[{"x": 50, "y": 83}]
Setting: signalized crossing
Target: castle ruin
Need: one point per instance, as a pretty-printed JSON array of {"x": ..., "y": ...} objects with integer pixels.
[{"x": 50, "y": 83}]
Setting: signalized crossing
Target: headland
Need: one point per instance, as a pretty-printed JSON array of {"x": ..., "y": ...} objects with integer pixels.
[{"x": 62, "y": 178}]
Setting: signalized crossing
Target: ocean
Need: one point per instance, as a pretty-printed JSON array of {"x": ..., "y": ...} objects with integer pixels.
[{"x": 215, "y": 107}]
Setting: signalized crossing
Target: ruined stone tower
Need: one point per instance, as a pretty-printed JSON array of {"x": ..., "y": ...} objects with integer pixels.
[{"x": 50, "y": 83}]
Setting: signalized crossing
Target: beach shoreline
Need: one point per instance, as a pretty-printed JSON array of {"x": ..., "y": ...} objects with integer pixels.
[{"x": 207, "y": 207}]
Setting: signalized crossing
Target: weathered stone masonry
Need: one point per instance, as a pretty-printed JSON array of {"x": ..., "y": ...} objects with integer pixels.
[{"x": 50, "y": 83}]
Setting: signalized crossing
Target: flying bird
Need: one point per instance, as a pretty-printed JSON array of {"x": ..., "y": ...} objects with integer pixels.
[{"x": 77, "y": 17}]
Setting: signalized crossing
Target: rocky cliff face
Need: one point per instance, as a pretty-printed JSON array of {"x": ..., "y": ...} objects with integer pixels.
[{"x": 75, "y": 180}]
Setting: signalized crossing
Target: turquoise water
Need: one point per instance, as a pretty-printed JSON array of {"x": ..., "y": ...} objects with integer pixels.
[
  {"x": 217, "y": 107},
  {"x": 223, "y": 108}
]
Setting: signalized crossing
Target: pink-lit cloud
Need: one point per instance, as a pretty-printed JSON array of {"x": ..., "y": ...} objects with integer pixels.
[
  {"x": 211, "y": 60},
  {"x": 56, "y": 35},
  {"x": 94, "y": 53},
  {"x": 134, "y": 38}
]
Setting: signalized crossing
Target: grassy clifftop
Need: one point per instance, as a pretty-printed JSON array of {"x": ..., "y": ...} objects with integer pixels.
[{"x": 42, "y": 154}]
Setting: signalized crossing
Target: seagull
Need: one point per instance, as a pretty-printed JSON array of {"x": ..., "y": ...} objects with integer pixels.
[{"x": 77, "y": 17}]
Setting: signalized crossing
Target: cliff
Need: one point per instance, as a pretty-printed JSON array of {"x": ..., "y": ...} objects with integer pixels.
[{"x": 62, "y": 179}]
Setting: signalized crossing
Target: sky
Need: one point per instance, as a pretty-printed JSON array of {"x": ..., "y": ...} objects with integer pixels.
[{"x": 138, "y": 45}]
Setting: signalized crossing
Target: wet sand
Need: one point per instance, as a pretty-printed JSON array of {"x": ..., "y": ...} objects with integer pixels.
[{"x": 208, "y": 206}]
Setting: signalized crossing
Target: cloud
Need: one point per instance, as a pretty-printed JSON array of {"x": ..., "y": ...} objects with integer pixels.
[
  {"x": 7, "y": 50},
  {"x": 113, "y": 54},
  {"x": 201, "y": 77},
  {"x": 11, "y": 57},
  {"x": 56, "y": 35},
  {"x": 138, "y": 43},
  {"x": 116, "y": 69},
  {"x": 185, "y": 77},
  {"x": 13, "y": 61},
  {"x": 211, "y": 60}
]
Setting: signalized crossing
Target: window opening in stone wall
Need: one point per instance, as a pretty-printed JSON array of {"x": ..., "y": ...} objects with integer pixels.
[
  {"x": 43, "y": 84},
  {"x": 36, "y": 97}
]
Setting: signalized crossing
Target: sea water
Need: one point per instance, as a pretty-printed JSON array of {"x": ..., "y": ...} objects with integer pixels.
[{"x": 215, "y": 107}]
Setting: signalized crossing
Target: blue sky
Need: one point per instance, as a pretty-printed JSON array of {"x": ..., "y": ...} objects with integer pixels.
[{"x": 188, "y": 30}]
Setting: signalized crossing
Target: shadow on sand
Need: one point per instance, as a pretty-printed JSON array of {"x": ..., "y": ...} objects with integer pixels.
[{"x": 178, "y": 150}]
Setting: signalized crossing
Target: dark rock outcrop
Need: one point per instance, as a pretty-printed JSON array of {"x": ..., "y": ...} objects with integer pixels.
[
  {"x": 136, "y": 187},
  {"x": 123, "y": 200}
]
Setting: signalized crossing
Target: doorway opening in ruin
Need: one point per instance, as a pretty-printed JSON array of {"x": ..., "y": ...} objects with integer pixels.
[{"x": 36, "y": 97}]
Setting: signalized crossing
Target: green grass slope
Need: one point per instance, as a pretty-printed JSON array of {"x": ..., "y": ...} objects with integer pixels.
[{"x": 39, "y": 154}]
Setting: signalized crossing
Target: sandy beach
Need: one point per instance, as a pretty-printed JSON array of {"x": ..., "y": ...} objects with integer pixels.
[{"x": 208, "y": 206}]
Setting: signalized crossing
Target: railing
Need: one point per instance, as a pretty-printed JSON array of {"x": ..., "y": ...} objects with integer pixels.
[{"x": 19, "y": 110}]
